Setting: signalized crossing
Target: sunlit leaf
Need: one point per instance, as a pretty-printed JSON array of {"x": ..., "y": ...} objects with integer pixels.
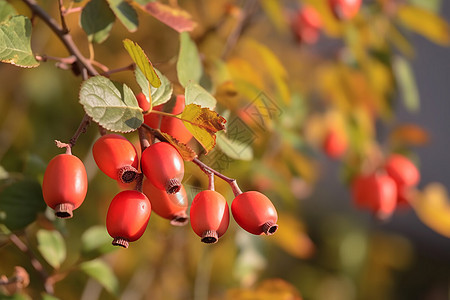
[
  {"x": 52, "y": 247},
  {"x": 174, "y": 17},
  {"x": 409, "y": 134},
  {"x": 430, "y": 26},
  {"x": 96, "y": 241},
  {"x": 97, "y": 20},
  {"x": 203, "y": 123},
  {"x": 101, "y": 272},
  {"x": 111, "y": 105},
  {"x": 20, "y": 204},
  {"x": 275, "y": 11},
  {"x": 159, "y": 95},
  {"x": 189, "y": 65},
  {"x": 140, "y": 58},
  {"x": 407, "y": 83},
  {"x": 125, "y": 13},
  {"x": 292, "y": 237},
  {"x": 234, "y": 149},
  {"x": 15, "y": 42},
  {"x": 46, "y": 296},
  {"x": 195, "y": 94},
  {"x": 432, "y": 206},
  {"x": 6, "y": 11},
  {"x": 185, "y": 151},
  {"x": 400, "y": 41}
]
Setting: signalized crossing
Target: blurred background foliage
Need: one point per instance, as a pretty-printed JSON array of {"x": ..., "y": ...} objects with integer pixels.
[{"x": 280, "y": 96}]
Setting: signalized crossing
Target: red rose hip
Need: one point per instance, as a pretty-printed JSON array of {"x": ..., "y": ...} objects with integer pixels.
[
  {"x": 65, "y": 184},
  {"x": 344, "y": 9},
  {"x": 175, "y": 126},
  {"x": 210, "y": 216},
  {"x": 168, "y": 206},
  {"x": 163, "y": 166},
  {"x": 255, "y": 213},
  {"x": 116, "y": 157},
  {"x": 127, "y": 217}
]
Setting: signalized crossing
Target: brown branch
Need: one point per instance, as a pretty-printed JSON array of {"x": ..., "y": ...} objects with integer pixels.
[
  {"x": 49, "y": 289},
  {"x": 85, "y": 122},
  {"x": 242, "y": 22},
  {"x": 65, "y": 29}
]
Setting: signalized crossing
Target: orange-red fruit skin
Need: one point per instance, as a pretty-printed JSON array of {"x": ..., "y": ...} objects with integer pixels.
[
  {"x": 402, "y": 170},
  {"x": 65, "y": 181},
  {"x": 209, "y": 212},
  {"x": 113, "y": 152},
  {"x": 335, "y": 144},
  {"x": 161, "y": 162},
  {"x": 307, "y": 25},
  {"x": 252, "y": 210},
  {"x": 153, "y": 120},
  {"x": 375, "y": 192},
  {"x": 345, "y": 9},
  {"x": 175, "y": 126},
  {"x": 128, "y": 215},
  {"x": 167, "y": 206},
  {"x": 143, "y": 103}
]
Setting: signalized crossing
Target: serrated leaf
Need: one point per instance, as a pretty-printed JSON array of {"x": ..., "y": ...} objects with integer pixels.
[
  {"x": 6, "y": 11},
  {"x": 112, "y": 106},
  {"x": 140, "y": 58},
  {"x": 203, "y": 123},
  {"x": 233, "y": 148},
  {"x": 20, "y": 204},
  {"x": 125, "y": 13},
  {"x": 96, "y": 241},
  {"x": 97, "y": 20},
  {"x": 15, "y": 39},
  {"x": 52, "y": 247},
  {"x": 189, "y": 65},
  {"x": 159, "y": 95},
  {"x": 174, "y": 17},
  {"x": 195, "y": 94},
  {"x": 430, "y": 26},
  {"x": 185, "y": 151},
  {"x": 101, "y": 272},
  {"x": 407, "y": 83}
]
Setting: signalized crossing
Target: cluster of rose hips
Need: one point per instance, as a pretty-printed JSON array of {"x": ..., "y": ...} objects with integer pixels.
[
  {"x": 158, "y": 188},
  {"x": 306, "y": 23},
  {"x": 383, "y": 190}
]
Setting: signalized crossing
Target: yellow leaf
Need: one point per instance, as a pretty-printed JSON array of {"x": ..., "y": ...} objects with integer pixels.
[
  {"x": 140, "y": 58},
  {"x": 185, "y": 151},
  {"x": 425, "y": 23},
  {"x": 291, "y": 236},
  {"x": 432, "y": 206},
  {"x": 274, "y": 11},
  {"x": 203, "y": 123},
  {"x": 410, "y": 134},
  {"x": 174, "y": 17}
]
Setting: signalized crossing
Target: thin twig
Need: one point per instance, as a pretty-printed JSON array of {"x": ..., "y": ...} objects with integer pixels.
[
  {"x": 61, "y": 14},
  {"x": 108, "y": 73},
  {"x": 242, "y": 22},
  {"x": 81, "y": 129},
  {"x": 34, "y": 262}
]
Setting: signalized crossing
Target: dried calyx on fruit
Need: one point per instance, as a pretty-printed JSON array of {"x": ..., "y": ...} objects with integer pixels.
[{"x": 116, "y": 157}]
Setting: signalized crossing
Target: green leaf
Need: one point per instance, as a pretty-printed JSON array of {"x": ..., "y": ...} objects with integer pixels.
[
  {"x": 194, "y": 93},
  {"x": 52, "y": 247},
  {"x": 189, "y": 65},
  {"x": 112, "y": 106},
  {"x": 101, "y": 272},
  {"x": 96, "y": 241},
  {"x": 233, "y": 148},
  {"x": 16, "y": 296},
  {"x": 407, "y": 83},
  {"x": 20, "y": 203},
  {"x": 125, "y": 13},
  {"x": 140, "y": 58},
  {"x": 46, "y": 296},
  {"x": 6, "y": 11},
  {"x": 97, "y": 20},
  {"x": 15, "y": 38},
  {"x": 159, "y": 95}
]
